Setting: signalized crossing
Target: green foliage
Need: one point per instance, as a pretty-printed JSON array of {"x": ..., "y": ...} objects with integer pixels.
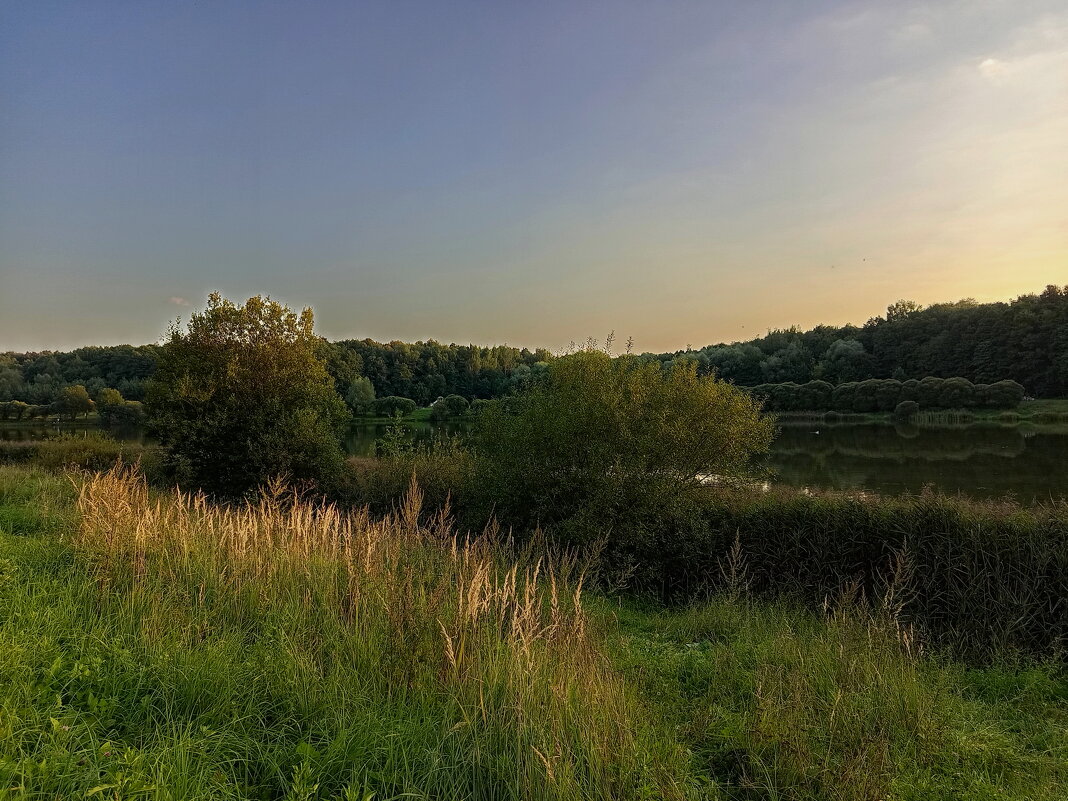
[
  {"x": 360, "y": 396},
  {"x": 116, "y": 412},
  {"x": 393, "y": 406},
  {"x": 39, "y": 378},
  {"x": 444, "y": 473},
  {"x": 978, "y": 577},
  {"x": 449, "y": 407},
  {"x": 74, "y": 400},
  {"x": 603, "y": 446},
  {"x": 782, "y": 703},
  {"x": 134, "y": 674},
  {"x": 86, "y": 450},
  {"x": 906, "y": 409},
  {"x": 190, "y": 667},
  {"x": 884, "y": 395},
  {"x": 1024, "y": 340},
  {"x": 424, "y": 371},
  {"x": 14, "y": 410},
  {"x": 242, "y": 396}
]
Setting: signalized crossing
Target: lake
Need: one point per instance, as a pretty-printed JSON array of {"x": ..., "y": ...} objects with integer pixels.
[{"x": 981, "y": 460}]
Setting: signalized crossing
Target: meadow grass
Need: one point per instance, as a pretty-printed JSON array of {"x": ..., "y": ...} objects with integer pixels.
[
  {"x": 163, "y": 646},
  {"x": 153, "y": 645},
  {"x": 779, "y": 703}
]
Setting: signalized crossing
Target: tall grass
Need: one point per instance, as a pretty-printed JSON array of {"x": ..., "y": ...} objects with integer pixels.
[
  {"x": 982, "y": 578},
  {"x": 780, "y": 703},
  {"x": 476, "y": 668},
  {"x": 89, "y": 450}
]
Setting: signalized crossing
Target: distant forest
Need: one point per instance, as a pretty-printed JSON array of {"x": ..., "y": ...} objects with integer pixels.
[{"x": 1025, "y": 340}]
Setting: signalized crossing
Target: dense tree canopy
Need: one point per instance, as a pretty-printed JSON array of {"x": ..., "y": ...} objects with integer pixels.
[
  {"x": 1025, "y": 340},
  {"x": 40, "y": 378},
  {"x": 243, "y": 395},
  {"x": 74, "y": 400}
]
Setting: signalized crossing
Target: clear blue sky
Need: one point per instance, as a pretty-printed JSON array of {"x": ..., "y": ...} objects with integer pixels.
[{"x": 525, "y": 172}]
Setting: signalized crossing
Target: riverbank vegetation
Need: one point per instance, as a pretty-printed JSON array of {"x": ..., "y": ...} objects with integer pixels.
[
  {"x": 242, "y": 395},
  {"x": 976, "y": 578},
  {"x": 156, "y": 646},
  {"x": 1023, "y": 340}
]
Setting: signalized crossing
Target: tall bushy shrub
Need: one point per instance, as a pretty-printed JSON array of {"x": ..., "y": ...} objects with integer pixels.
[
  {"x": 243, "y": 395},
  {"x": 392, "y": 406},
  {"x": 602, "y": 447}
]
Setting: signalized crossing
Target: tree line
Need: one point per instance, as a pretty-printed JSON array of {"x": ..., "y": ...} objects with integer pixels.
[
  {"x": 886, "y": 394},
  {"x": 111, "y": 408},
  {"x": 425, "y": 371},
  {"x": 372, "y": 377},
  {"x": 1024, "y": 340}
]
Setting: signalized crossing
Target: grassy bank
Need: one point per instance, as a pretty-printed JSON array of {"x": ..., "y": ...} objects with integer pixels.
[
  {"x": 418, "y": 416},
  {"x": 88, "y": 450},
  {"x": 153, "y": 646}
]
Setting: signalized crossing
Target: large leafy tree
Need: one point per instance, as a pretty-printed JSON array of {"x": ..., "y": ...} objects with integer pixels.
[
  {"x": 74, "y": 400},
  {"x": 243, "y": 395}
]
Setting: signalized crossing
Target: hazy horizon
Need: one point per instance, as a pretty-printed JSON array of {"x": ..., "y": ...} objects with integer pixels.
[
  {"x": 619, "y": 340},
  {"x": 681, "y": 173}
]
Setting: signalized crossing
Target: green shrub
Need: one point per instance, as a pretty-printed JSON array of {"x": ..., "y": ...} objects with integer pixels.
[
  {"x": 906, "y": 409},
  {"x": 602, "y": 446},
  {"x": 89, "y": 450},
  {"x": 449, "y": 407},
  {"x": 243, "y": 396},
  {"x": 980, "y": 577},
  {"x": 393, "y": 406}
]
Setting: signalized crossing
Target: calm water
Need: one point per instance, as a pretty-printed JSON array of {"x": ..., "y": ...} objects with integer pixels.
[{"x": 980, "y": 460}]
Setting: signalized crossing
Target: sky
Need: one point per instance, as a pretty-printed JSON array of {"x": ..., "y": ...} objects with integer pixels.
[{"x": 681, "y": 173}]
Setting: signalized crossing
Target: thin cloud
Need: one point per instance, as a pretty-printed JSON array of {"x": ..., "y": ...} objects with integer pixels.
[
  {"x": 177, "y": 301},
  {"x": 993, "y": 68}
]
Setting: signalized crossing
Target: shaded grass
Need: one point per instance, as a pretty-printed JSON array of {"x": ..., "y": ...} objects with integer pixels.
[{"x": 781, "y": 703}]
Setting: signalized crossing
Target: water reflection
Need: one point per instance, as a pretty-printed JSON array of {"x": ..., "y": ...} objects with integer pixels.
[
  {"x": 979, "y": 460},
  {"x": 362, "y": 436}
]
